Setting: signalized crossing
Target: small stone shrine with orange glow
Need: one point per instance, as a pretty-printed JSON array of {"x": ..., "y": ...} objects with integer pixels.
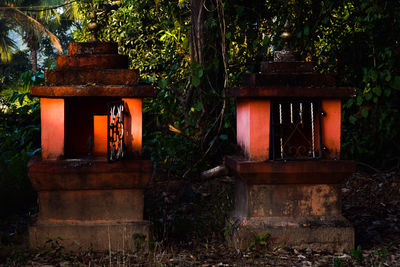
[
  {"x": 90, "y": 176},
  {"x": 288, "y": 128}
]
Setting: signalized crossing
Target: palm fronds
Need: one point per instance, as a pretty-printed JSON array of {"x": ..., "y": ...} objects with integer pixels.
[
  {"x": 7, "y": 45},
  {"x": 29, "y": 25}
]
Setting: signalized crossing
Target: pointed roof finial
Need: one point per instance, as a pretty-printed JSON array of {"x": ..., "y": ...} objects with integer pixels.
[
  {"x": 286, "y": 35},
  {"x": 286, "y": 54}
]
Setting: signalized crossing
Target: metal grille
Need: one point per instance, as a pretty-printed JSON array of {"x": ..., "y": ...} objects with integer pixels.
[
  {"x": 115, "y": 131},
  {"x": 295, "y": 129}
]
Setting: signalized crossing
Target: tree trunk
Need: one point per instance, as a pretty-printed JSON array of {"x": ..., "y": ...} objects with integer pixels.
[
  {"x": 195, "y": 48},
  {"x": 34, "y": 59},
  {"x": 33, "y": 43},
  {"x": 196, "y": 35}
]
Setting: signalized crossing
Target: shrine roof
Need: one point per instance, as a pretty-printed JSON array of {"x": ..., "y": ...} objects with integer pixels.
[{"x": 127, "y": 91}]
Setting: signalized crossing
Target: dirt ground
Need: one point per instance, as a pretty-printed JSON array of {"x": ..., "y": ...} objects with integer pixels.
[{"x": 190, "y": 226}]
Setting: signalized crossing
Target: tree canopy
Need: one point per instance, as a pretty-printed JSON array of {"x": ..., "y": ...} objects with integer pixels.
[
  {"x": 192, "y": 50},
  {"x": 30, "y": 23}
]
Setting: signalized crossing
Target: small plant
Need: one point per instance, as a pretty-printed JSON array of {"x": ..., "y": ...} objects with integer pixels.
[
  {"x": 357, "y": 254},
  {"x": 152, "y": 245},
  {"x": 283, "y": 243},
  {"x": 337, "y": 262},
  {"x": 381, "y": 253},
  {"x": 229, "y": 228},
  {"x": 54, "y": 247},
  {"x": 259, "y": 242},
  {"x": 139, "y": 240}
]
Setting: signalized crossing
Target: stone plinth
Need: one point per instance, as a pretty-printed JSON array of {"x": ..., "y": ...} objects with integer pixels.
[
  {"x": 296, "y": 201},
  {"x": 89, "y": 203},
  {"x": 331, "y": 233},
  {"x": 84, "y": 200},
  {"x": 99, "y": 236}
]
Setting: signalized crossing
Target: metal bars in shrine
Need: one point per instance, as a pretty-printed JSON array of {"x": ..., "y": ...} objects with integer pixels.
[
  {"x": 115, "y": 131},
  {"x": 295, "y": 129}
]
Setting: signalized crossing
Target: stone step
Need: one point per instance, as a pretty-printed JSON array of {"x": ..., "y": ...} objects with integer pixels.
[
  {"x": 91, "y": 77},
  {"x": 287, "y": 67},
  {"x": 88, "y": 174},
  {"x": 115, "y": 236},
  {"x": 90, "y": 205},
  {"x": 92, "y": 48},
  {"x": 92, "y": 62},
  {"x": 291, "y": 172},
  {"x": 128, "y": 91},
  {"x": 331, "y": 233},
  {"x": 289, "y": 79}
]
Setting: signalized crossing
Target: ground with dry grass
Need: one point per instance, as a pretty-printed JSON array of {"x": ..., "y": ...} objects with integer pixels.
[{"x": 189, "y": 218}]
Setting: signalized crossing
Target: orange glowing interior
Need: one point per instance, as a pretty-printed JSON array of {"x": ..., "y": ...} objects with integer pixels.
[
  {"x": 253, "y": 127},
  {"x": 100, "y": 135},
  {"x": 75, "y": 127},
  {"x": 253, "y": 117},
  {"x": 52, "y": 128}
]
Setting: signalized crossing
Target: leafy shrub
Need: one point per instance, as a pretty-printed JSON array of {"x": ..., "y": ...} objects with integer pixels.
[
  {"x": 19, "y": 140},
  {"x": 372, "y": 119},
  {"x": 353, "y": 39},
  {"x": 357, "y": 254}
]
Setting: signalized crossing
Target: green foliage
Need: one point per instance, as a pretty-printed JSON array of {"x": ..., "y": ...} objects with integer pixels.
[
  {"x": 139, "y": 240},
  {"x": 9, "y": 72},
  {"x": 357, "y": 254},
  {"x": 19, "y": 140},
  {"x": 181, "y": 117},
  {"x": 29, "y": 23},
  {"x": 372, "y": 119},
  {"x": 353, "y": 39},
  {"x": 356, "y": 41},
  {"x": 382, "y": 254},
  {"x": 260, "y": 242},
  {"x": 6, "y": 43},
  {"x": 228, "y": 230},
  {"x": 337, "y": 262}
]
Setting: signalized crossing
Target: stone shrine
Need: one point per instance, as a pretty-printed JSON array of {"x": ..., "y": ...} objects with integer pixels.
[
  {"x": 90, "y": 176},
  {"x": 288, "y": 128}
]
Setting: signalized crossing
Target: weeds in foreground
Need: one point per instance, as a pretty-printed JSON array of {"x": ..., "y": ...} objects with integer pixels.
[
  {"x": 357, "y": 254},
  {"x": 260, "y": 242},
  {"x": 337, "y": 262},
  {"x": 53, "y": 253},
  {"x": 197, "y": 254}
]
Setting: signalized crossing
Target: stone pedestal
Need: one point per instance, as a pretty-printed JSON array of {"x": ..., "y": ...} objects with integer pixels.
[
  {"x": 89, "y": 203},
  {"x": 330, "y": 233},
  {"x": 297, "y": 203}
]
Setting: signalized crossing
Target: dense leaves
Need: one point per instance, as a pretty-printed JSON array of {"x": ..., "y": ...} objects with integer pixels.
[
  {"x": 19, "y": 140},
  {"x": 372, "y": 119},
  {"x": 180, "y": 120},
  {"x": 356, "y": 40}
]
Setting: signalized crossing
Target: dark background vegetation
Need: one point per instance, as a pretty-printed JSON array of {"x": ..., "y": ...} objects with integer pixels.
[{"x": 191, "y": 52}]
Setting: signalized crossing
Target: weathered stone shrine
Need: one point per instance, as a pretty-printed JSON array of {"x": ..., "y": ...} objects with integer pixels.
[
  {"x": 288, "y": 127},
  {"x": 90, "y": 176}
]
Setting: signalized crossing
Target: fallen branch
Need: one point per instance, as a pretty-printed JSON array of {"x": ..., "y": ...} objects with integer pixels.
[{"x": 220, "y": 170}]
